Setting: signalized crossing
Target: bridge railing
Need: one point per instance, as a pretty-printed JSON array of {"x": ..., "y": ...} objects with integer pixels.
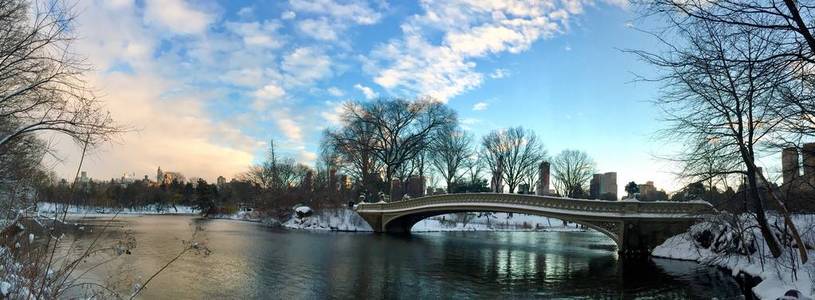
[{"x": 583, "y": 205}]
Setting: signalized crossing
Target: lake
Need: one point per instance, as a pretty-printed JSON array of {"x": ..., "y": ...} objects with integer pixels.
[{"x": 252, "y": 261}]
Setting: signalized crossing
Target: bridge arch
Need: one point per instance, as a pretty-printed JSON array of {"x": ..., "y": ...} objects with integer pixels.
[
  {"x": 402, "y": 223},
  {"x": 636, "y": 227}
]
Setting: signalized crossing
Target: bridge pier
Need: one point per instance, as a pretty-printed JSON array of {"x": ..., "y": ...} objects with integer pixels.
[{"x": 639, "y": 237}]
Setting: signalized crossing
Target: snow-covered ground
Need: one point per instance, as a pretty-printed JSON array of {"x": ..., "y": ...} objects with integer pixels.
[
  {"x": 45, "y": 208},
  {"x": 492, "y": 222},
  {"x": 347, "y": 220},
  {"x": 777, "y": 277},
  {"x": 340, "y": 219}
]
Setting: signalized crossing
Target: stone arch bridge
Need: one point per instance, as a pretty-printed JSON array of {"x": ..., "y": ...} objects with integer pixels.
[{"x": 636, "y": 227}]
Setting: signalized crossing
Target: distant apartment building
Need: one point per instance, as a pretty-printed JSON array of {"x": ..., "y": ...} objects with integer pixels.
[
  {"x": 647, "y": 189},
  {"x": 168, "y": 177},
  {"x": 413, "y": 186},
  {"x": 496, "y": 183},
  {"x": 603, "y": 186},
  {"x": 83, "y": 177},
  {"x": 220, "y": 182},
  {"x": 543, "y": 179},
  {"x": 791, "y": 167},
  {"x": 649, "y": 192}
]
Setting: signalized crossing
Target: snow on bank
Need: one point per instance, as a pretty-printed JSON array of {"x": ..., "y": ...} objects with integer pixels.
[
  {"x": 340, "y": 219},
  {"x": 698, "y": 244},
  {"x": 45, "y": 208},
  {"x": 13, "y": 284},
  {"x": 492, "y": 222}
]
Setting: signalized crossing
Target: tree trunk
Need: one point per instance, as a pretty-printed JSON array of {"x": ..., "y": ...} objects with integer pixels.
[
  {"x": 802, "y": 250},
  {"x": 761, "y": 217}
]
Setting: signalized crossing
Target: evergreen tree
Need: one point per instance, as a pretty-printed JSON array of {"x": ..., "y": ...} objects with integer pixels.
[{"x": 632, "y": 189}]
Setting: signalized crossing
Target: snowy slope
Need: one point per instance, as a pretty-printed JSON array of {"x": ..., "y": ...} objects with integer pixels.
[{"x": 776, "y": 277}]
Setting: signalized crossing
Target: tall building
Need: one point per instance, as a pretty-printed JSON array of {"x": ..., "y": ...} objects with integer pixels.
[
  {"x": 809, "y": 161},
  {"x": 790, "y": 167},
  {"x": 220, "y": 182},
  {"x": 543, "y": 179},
  {"x": 396, "y": 189},
  {"x": 415, "y": 186},
  {"x": 603, "y": 186},
  {"x": 594, "y": 186},
  {"x": 307, "y": 183},
  {"x": 647, "y": 190},
  {"x": 609, "y": 184},
  {"x": 168, "y": 177},
  {"x": 83, "y": 177},
  {"x": 344, "y": 183},
  {"x": 496, "y": 183}
]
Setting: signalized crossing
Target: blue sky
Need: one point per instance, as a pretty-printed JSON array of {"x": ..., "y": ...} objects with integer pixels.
[{"x": 206, "y": 84}]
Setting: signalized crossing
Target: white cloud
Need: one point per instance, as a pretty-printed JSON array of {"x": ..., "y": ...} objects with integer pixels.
[
  {"x": 289, "y": 128},
  {"x": 268, "y": 94},
  {"x": 334, "y": 91},
  {"x": 356, "y": 11},
  {"x": 305, "y": 65},
  {"x": 246, "y": 12},
  {"x": 469, "y": 30},
  {"x": 480, "y": 106},
  {"x": 468, "y": 123},
  {"x": 307, "y": 157},
  {"x": 244, "y": 77},
  {"x": 120, "y": 4},
  {"x": 332, "y": 112},
  {"x": 329, "y": 19},
  {"x": 288, "y": 15},
  {"x": 499, "y": 73},
  {"x": 417, "y": 66},
  {"x": 177, "y": 16},
  {"x": 270, "y": 91},
  {"x": 174, "y": 132},
  {"x": 256, "y": 33},
  {"x": 320, "y": 29},
  {"x": 368, "y": 92}
]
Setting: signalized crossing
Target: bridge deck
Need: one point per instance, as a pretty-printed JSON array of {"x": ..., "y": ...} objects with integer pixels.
[{"x": 569, "y": 206}]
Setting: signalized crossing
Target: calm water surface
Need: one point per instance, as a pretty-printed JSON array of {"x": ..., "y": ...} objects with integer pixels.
[{"x": 250, "y": 261}]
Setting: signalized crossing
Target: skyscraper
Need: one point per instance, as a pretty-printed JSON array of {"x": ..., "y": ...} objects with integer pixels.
[
  {"x": 809, "y": 161},
  {"x": 790, "y": 168},
  {"x": 543, "y": 179},
  {"x": 603, "y": 186}
]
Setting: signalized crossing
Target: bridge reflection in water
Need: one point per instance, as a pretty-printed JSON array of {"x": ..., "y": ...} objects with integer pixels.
[{"x": 636, "y": 227}]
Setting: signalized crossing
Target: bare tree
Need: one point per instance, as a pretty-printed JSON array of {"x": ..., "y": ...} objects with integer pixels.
[
  {"x": 721, "y": 98},
  {"x": 41, "y": 80},
  {"x": 264, "y": 174},
  {"x": 572, "y": 170},
  {"x": 450, "y": 150},
  {"x": 473, "y": 166},
  {"x": 400, "y": 129},
  {"x": 353, "y": 144},
  {"x": 516, "y": 149}
]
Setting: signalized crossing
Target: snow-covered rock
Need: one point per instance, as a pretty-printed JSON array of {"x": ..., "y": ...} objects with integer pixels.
[
  {"x": 340, "y": 219},
  {"x": 302, "y": 211},
  {"x": 714, "y": 242}
]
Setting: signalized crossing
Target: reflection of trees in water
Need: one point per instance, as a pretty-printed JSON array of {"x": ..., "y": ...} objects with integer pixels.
[
  {"x": 697, "y": 277},
  {"x": 529, "y": 264},
  {"x": 290, "y": 264}
]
